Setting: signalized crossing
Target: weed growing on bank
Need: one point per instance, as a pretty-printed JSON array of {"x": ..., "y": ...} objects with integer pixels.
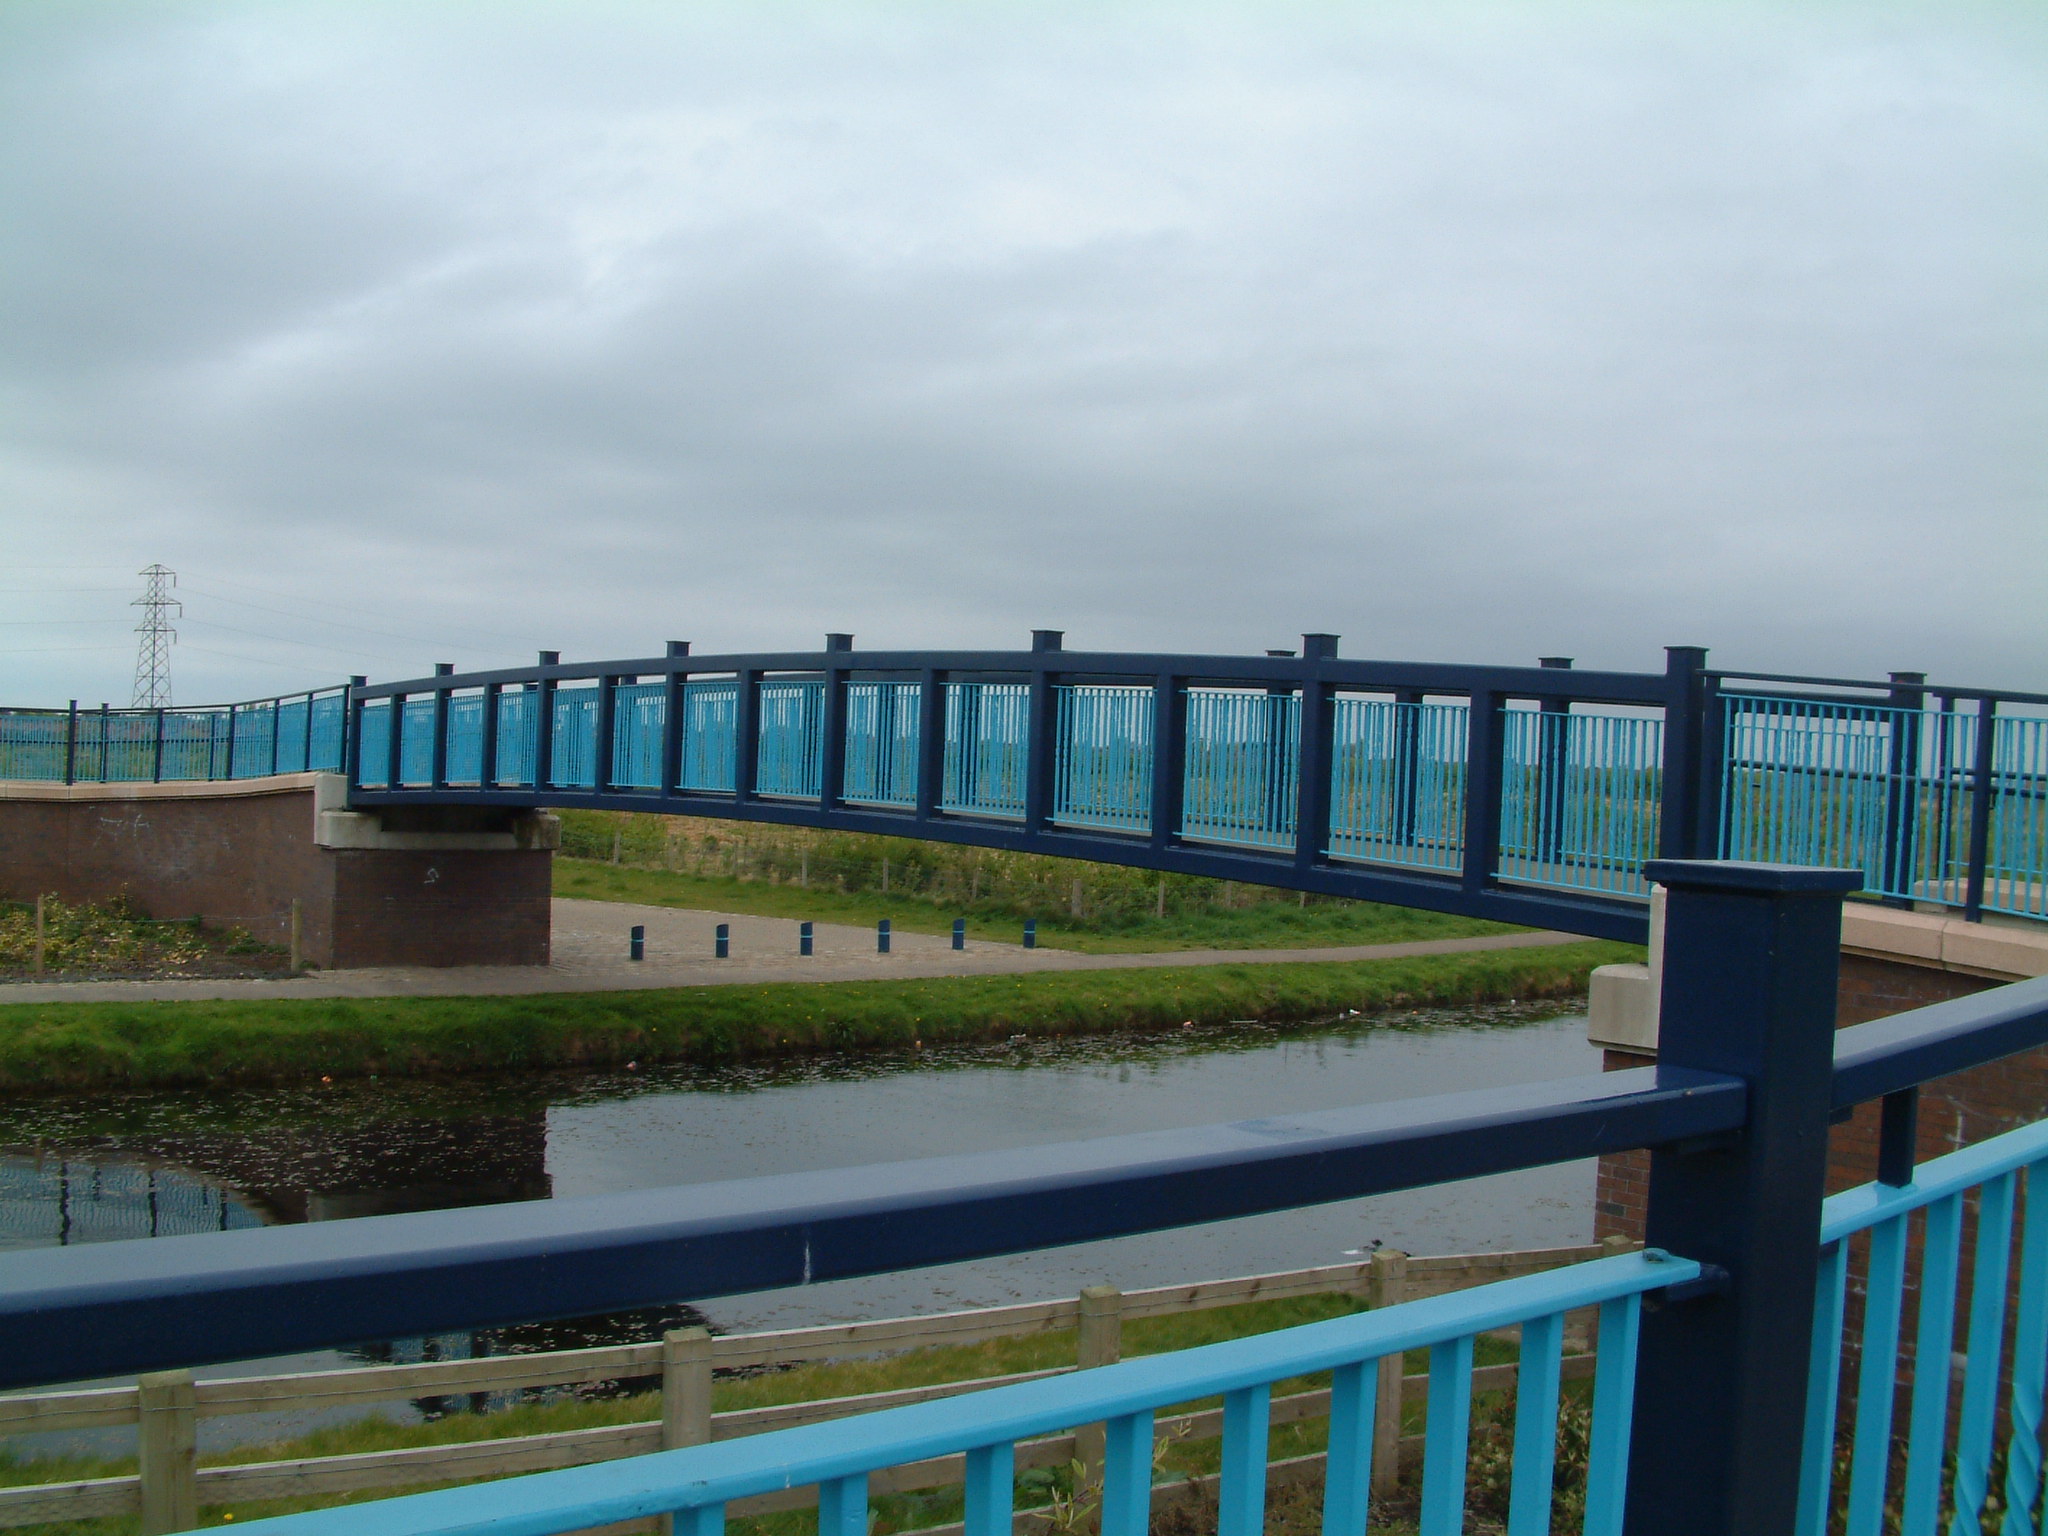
[{"x": 117, "y": 939}]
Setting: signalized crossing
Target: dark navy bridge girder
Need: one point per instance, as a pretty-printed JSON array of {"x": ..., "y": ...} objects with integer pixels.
[{"x": 1317, "y": 676}]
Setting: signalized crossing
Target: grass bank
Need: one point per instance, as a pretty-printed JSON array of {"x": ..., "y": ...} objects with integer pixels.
[
  {"x": 801, "y": 872},
  {"x": 1275, "y": 921},
  {"x": 164, "y": 1044}
]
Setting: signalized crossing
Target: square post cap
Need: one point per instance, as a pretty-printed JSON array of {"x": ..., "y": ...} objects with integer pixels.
[
  {"x": 1048, "y": 639},
  {"x": 679, "y": 647},
  {"x": 836, "y": 642},
  {"x": 551, "y": 658},
  {"x": 1319, "y": 647},
  {"x": 444, "y": 669},
  {"x": 1555, "y": 663},
  {"x": 1735, "y": 875}
]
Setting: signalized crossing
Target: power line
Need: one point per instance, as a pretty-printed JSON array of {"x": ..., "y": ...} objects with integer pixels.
[{"x": 156, "y": 637}]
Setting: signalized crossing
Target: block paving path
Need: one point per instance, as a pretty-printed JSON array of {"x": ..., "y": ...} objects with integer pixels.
[{"x": 590, "y": 944}]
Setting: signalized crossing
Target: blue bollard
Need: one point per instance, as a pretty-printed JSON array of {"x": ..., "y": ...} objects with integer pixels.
[
  {"x": 803, "y": 938},
  {"x": 882, "y": 937},
  {"x": 636, "y": 943},
  {"x": 1031, "y": 933},
  {"x": 723, "y": 944},
  {"x": 959, "y": 933}
]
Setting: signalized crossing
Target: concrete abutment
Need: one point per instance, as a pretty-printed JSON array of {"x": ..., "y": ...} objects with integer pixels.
[{"x": 434, "y": 886}]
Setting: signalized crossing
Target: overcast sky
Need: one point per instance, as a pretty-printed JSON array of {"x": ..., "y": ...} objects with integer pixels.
[{"x": 410, "y": 333}]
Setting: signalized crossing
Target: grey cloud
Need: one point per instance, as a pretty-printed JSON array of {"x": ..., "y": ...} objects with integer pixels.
[{"x": 1468, "y": 332}]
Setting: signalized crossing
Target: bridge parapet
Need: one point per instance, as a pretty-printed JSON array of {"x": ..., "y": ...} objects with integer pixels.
[{"x": 1525, "y": 794}]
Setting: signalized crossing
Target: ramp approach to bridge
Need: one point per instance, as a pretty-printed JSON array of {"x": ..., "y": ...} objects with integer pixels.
[{"x": 1526, "y": 794}]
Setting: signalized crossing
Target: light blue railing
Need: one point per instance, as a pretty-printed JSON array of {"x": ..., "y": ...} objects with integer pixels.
[
  {"x": 695, "y": 1485},
  {"x": 1397, "y": 793},
  {"x": 986, "y": 726},
  {"x": 1892, "y": 791},
  {"x": 1580, "y": 799},
  {"x": 1946, "y": 1441},
  {"x": 1240, "y": 781},
  {"x": 881, "y": 743},
  {"x": 1104, "y": 756},
  {"x": 792, "y": 739},
  {"x": 295, "y": 734}
]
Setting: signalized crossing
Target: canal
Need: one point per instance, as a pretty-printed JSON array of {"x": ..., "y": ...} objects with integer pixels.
[{"x": 126, "y": 1167}]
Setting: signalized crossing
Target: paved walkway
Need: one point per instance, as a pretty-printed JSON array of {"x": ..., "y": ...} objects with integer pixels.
[{"x": 590, "y": 956}]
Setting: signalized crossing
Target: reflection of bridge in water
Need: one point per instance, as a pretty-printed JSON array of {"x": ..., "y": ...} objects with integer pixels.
[{"x": 59, "y": 1200}]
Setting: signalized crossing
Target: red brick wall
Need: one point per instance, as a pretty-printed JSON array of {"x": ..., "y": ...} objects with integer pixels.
[
  {"x": 242, "y": 859},
  {"x": 1954, "y": 1111}
]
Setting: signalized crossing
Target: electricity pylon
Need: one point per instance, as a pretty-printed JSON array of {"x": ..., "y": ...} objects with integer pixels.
[{"x": 153, "y": 649}]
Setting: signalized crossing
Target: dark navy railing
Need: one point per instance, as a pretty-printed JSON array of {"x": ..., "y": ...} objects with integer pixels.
[
  {"x": 1529, "y": 794},
  {"x": 1750, "y": 1074},
  {"x": 1532, "y": 794}
]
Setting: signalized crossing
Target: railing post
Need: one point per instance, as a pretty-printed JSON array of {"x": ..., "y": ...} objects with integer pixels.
[
  {"x": 544, "y": 723},
  {"x": 931, "y": 743},
  {"x": 71, "y": 744},
  {"x": 156, "y": 761},
  {"x": 107, "y": 731},
  {"x": 1387, "y": 1287},
  {"x": 437, "y": 765},
  {"x": 1101, "y": 1342},
  {"x": 832, "y": 730},
  {"x": 487, "y": 738},
  {"x": 1482, "y": 791},
  {"x": 352, "y": 730},
  {"x": 305, "y": 757},
  {"x": 672, "y": 722},
  {"x": 746, "y": 735},
  {"x": 1983, "y": 760},
  {"x": 1751, "y": 953},
  {"x": 167, "y": 1452},
  {"x": 394, "y": 743},
  {"x": 1407, "y": 763},
  {"x": 1169, "y": 757},
  {"x": 1041, "y": 741},
  {"x": 1685, "y": 767},
  {"x": 1312, "y": 787},
  {"x": 1902, "y": 785},
  {"x": 601, "y": 734}
]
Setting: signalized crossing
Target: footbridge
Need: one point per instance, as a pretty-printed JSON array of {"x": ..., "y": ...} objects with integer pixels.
[{"x": 1528, "y": 794}]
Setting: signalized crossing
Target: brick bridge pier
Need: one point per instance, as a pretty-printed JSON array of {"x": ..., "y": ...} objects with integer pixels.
[{"x": 404, "y": 885}]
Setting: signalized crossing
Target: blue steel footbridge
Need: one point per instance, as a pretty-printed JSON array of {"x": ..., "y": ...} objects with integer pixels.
[{"x": 1531, "y": 794}]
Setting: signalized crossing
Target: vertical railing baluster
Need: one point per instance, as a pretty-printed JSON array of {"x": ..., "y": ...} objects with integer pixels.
[
  {"x": 1978, "y": 1420},
  {"x": 1614, "y": 1389},
  {"x": 1823, "y": 1391},
  {"x": 843, "y": 1506},
  {"x": 700, "y": 1520},
  {"x": 1877, "y": 1375},
  {"x": 1241, "y": 1495},
  {"x": 2029, "y": 1363},
  {"x": 1445, "y": 1438},
  {"x": 1933, "y": 1342},
  {"x": 1127, "y": 1475},
  {"x": 1536, "y": 1386},
  {"x": 1347, "y": 1472},
  {"x": 991, "y": 1490}
]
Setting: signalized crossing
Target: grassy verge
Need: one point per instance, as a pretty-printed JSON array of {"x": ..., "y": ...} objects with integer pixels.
[
  {"x": 157, "y": 1044},
  {"x": 1266, "y": 924},
  {"x": 892, "y": 1513}
]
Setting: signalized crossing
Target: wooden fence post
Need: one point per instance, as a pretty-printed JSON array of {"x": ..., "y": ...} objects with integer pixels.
[
  {"x": 1387, "y": 1287},
  {"x": 167, "y": 1452},
  {"x": 1101, "y": 1342},
  {"x": 685, "y": 1395}
]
